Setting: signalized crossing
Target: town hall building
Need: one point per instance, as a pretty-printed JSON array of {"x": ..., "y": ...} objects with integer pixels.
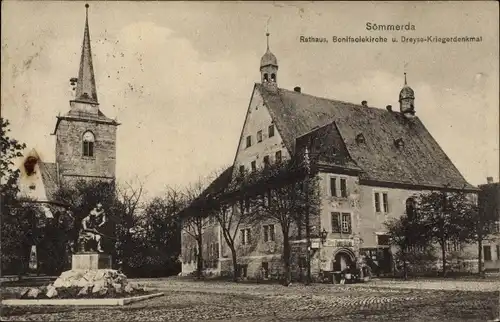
[{"x": 371, "y": 162}]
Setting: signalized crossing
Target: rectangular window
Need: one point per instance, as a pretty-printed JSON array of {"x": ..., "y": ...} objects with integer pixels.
[
  {"x": 385, "y": 200},
  {"x": 245, "y": 236},
  {"x": 277, "y": 157},
  {"x": 268, "y": 233},
  {"x": 271, "y": 130},
  {"x": 343, "y": 188},
  {"x": 498, "y": 252},
  {"x": 249, "y": 141},
  {"x": 259, "y": 136},
  {"x": 269, "y": 198},
  {"x": 377, "y": 202},
  {"x": 333, "y": 187},
  {"x": 346, "y": 223},
  {"x": 254, "y": 166},
  {"x": 242, "y": 169},
  {"x": 383, "y": 240},
  {"x": 266, "y": 161},
  {"x": 242, "y": 236},
  {"x": 271, "y": 232},
  {"x": 487, "y": 252},
  {"x": 335, "y": 222},
  {"x": 247, "y": 204},
  {"x": 265, "y": 269},
  {"x": 88, "y": 149}
]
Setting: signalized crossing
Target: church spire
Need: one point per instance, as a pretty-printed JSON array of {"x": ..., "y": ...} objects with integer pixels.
[{"x": 85, "y": 87}]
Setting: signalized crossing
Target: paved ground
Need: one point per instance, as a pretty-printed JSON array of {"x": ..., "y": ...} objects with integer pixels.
[{"x": 377, "y": 301}]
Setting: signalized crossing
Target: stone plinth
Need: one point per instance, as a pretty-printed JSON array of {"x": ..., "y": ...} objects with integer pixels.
[{"x": 90, "y": 261}]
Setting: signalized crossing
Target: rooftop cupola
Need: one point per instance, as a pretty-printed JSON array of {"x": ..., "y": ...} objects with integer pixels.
[
  {"x": 407, "y": 100},
  {"x": 269, "y": 66}
]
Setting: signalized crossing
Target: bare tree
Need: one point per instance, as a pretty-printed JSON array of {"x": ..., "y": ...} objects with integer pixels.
[
  {"x": 221, "y": 198},
  {"x": 283, "y": 192},
  {"x": 447, "y": 217},
  {"x": 125, "y": 216},
  {"x": 193, "y": 218}
]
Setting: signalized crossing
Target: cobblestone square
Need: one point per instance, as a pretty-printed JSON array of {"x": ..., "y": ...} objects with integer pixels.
[{"x": 210, "y": 300}]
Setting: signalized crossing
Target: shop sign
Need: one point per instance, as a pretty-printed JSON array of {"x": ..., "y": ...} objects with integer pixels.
[{"x": 343, "y": 243}]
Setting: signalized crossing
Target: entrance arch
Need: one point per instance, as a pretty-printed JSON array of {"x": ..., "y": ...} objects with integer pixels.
[{"x": 343, "y": 258}]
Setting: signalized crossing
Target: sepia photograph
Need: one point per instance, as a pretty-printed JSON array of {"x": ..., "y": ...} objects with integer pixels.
[{"x": 250, "y": 161}]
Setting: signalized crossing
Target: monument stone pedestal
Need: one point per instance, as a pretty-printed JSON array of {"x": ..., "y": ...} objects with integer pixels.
[{"x": 90, "y": 260}]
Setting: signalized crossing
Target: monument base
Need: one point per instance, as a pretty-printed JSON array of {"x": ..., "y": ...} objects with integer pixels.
[{"x": 91, "y": 261}]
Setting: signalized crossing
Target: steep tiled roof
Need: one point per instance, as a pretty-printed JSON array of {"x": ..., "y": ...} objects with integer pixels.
[
  {"x": 420, "y": 161},
  {"x": 49, "y": 178},
  {"x": 326, "y": 147}
]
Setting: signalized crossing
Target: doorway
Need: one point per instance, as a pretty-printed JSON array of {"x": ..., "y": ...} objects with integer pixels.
[{"x": 342, "y": 260}]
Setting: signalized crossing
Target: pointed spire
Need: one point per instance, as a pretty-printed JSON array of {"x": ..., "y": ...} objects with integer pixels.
[
  {"x": 85, "y": 88},
  {"x": 267, "y": 32}
]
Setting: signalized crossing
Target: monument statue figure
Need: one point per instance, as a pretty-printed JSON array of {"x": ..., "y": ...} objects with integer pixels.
[{"x": 92, "y": 226}]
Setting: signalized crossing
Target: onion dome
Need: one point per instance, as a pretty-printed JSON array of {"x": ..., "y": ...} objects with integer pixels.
[
  {"x": 406, "y": 92},
  {"x": 268, "y": 58}
]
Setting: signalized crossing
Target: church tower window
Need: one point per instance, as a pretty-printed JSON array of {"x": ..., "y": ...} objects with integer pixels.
[{"x": 88, "y": 144}]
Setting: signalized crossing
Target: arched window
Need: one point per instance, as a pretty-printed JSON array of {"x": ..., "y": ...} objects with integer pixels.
[
  {"x": 88, "y": 144},
  {"x": 266, "y": 77},
  {"x": 411, "y": 207},
  {"x": 273, "y": 77}
]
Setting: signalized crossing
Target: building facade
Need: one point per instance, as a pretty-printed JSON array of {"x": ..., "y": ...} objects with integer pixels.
[
  {"x": 370, "y": 163},
  {"x": 489, "y": 206}
]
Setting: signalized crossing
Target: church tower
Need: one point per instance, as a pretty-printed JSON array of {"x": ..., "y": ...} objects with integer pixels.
[
  {"x": 269, "y": 67},
  {"x": 85, "y": 137},
  {"x": 407, "y": 100}
]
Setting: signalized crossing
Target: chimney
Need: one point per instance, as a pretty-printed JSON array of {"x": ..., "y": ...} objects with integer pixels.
[
  {"x": 389, "y": 108},
  {"x": 489, "y": 180},
  {"x": 296, "y": 89},
  {"x": 364, "y": 103}
]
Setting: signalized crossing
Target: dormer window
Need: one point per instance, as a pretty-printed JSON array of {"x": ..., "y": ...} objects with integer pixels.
[
  {"x": 88, "y": 144},
  {"x": 399, "y": 143},
  {"x": 360, "y": 138}
]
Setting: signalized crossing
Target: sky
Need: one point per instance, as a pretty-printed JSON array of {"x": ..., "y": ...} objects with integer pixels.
[{"x": 178, "y": 75}]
